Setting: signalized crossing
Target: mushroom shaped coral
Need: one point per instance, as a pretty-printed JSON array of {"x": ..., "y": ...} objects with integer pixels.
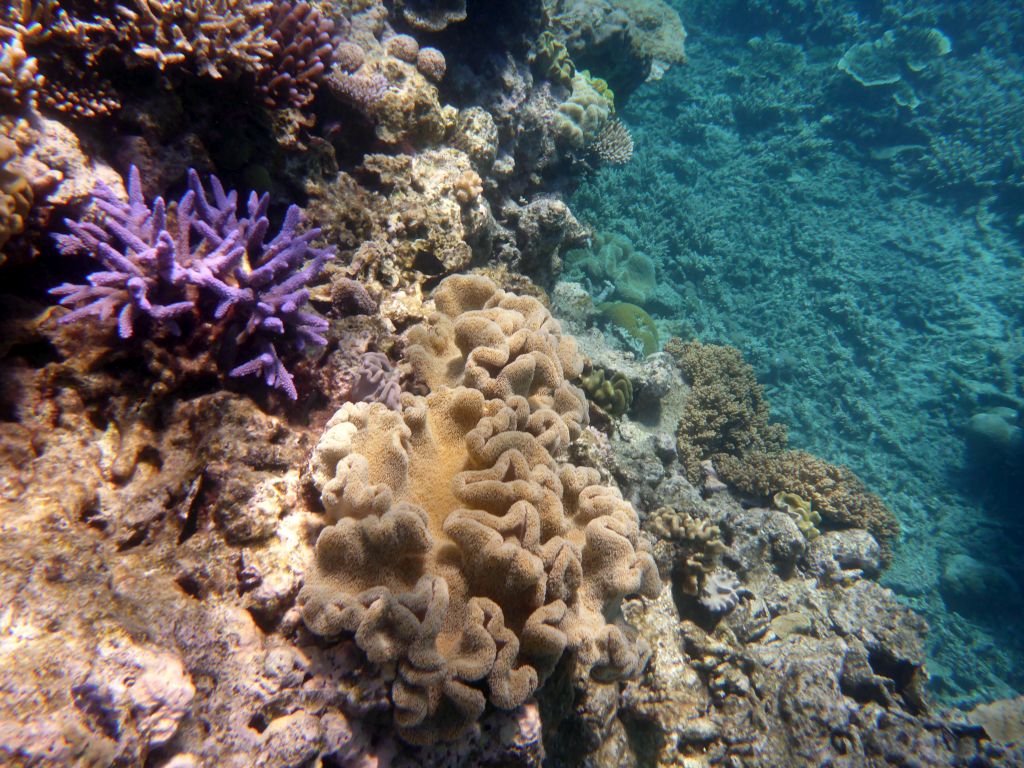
[{"x": 464, "y": 553}]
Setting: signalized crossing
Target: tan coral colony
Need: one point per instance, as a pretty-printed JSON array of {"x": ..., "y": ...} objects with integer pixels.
[{"x": 465, "y": 554}]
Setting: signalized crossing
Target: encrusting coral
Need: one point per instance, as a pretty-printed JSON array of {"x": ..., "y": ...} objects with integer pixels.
[
  {"x": 464, "y": 554},
  {"x": 834, "y": 492},
  {"x": 252, "y": 290},
  {"x": 725, "y": 412}
]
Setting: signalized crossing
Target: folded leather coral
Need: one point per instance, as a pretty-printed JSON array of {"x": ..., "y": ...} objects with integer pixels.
[{"x": 464, "y": 553}]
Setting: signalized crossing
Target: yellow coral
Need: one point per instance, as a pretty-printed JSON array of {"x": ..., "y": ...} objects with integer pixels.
[
  {"x": 799, "y": 509},
  {"x": 613, "y": 394}
]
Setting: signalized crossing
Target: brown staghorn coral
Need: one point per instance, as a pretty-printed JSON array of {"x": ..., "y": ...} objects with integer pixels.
[
  {"x": 213, "y": 37},
  {"x": 500, "y": 344},
  {"x": 834, "y": 492},
  {"x": 725, "y": 412},
  {"x": 465, "y": 558}
]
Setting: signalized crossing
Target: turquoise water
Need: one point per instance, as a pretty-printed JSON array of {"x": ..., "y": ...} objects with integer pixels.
[{"x": 866, "y": 256}]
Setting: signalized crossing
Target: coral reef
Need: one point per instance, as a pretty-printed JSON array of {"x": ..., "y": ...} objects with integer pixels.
[
  {"x": 626, "y": 41},
  {"x": 834, "y": 492},
  {"x": 545, "y": 554},
  {"x": 254, "y": 289}
]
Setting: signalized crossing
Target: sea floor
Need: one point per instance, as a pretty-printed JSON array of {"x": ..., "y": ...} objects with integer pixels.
[{"x": 879, "y": 316}]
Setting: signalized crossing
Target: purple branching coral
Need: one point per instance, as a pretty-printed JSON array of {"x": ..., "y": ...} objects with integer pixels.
[{"x": 203, "y": 262}]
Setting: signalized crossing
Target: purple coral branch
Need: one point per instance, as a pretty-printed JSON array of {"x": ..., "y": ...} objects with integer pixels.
[{"x": 255, "y": 288}]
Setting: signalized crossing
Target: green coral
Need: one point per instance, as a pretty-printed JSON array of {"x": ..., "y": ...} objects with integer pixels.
[
  {"x": 613, "y": 394},
  {"x": 799, "y": 508},
  {"x": 613, "y": 259},
  {"x": 634, "y": 321}
]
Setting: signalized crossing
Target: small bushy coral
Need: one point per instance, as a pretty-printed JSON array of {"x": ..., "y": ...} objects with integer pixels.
[
  {"x": 835, "y": 492},
  {"x": 725, "y": 412},
  {"x": 154, "y": 263}
]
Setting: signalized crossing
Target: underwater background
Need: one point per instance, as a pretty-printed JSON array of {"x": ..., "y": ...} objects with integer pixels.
[
  {"x": 866, "y": 257},
  {"x": 565, "y": 383}
]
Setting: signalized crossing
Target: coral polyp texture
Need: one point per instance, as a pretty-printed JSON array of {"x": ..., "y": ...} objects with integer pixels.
[
  {"x": 302, "y": 50},
  {"x": 464, "y": 552},
  {"x": 203, "y": 263}
]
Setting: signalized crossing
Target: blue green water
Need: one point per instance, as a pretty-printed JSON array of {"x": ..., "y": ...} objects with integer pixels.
[{"x": 867, "y": 258}]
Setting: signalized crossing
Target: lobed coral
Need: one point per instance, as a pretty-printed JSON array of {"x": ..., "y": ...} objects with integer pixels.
[
  {"x": 15, "y": 193},
  {"x": 612, "y": 259},
  {"x": 634, "y": 321},
  {"x": 463, "y": 553},
  {"x": 835, "y": 492},
  {"x": 252, "y": 290},
  {"x": 725, "y": 412},
  {"x": 580, "y": 119},
  {"x": 800, "y": 511},
  {"x": 612, "y": 393}
]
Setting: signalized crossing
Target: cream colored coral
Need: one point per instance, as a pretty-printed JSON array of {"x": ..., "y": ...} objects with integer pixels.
[
  {"x": 581, "y": 118},
  {"x": 501, "y": 344},
  {"x": 463, "y": 556}
]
